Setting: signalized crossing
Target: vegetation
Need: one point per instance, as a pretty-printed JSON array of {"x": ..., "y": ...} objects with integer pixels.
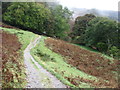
[
  {"x": 71, "y": 63},
  {"x": 13, "y": 69},
  {"x": 81, "y": 23},
  {"x": 60, "y": 18},
  {"x": 68, "y": 74},
  {"x": 97, "y": 32},
  {"x": 27, "y": 15},
  {"x": 53, "y": 20},
  {"x": 5, "y": 5},
  {"x": 13, "y": 72},
  {"x": 103, "y": 34},
  {"x": 53, "y": 62},
  {"x": 24, "y": 37},
  {"x": 37, "y": 17}
]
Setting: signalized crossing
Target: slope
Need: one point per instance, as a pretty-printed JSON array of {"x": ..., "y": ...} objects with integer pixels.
[
  {"x": 13, "y": 43},
  {"x": 37, "y": 76},
  {"x": 71, "y": 64},
  {"x": 75, "y": 66},
  {"x": 27, "y": 72},
  {"x": 13, "y": 73}
]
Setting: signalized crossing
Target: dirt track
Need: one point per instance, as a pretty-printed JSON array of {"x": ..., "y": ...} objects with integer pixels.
[{"x": 37, "y": 76}]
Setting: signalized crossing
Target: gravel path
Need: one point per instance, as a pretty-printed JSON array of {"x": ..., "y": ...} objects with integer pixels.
[{"x": 37, "y": 76}]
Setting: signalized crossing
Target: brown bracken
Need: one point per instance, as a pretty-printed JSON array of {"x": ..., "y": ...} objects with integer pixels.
[{"x": 86, "y": 61}]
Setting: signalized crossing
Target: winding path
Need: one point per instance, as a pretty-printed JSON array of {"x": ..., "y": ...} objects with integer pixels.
[{"x": 37, "y": 76}]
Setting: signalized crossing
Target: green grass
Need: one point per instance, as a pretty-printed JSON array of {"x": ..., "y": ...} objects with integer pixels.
[
  {"x": 56, "y": 65},
  {"x": 25, "y": 38}
]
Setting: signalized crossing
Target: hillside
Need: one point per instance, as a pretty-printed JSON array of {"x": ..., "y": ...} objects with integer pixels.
[
  {"x": 19, "y": 70},
  {"x": 80, "y": 67},
  {"x": 12, "y": 46},
  {"x": 41, "y": 46},
  {"x": 73, "y": 65},
  {"x": 12, "y": 66}
]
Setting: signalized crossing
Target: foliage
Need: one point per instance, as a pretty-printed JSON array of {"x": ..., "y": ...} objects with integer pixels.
[
  {"x": 102, "y": 33},
  {"x": 118, "y": 36},
  {"x": 101, "y": 46},
  {"x": 39, "y": 18},
  {"x": 5, "y": 5},
  {"x": 98, "y": 32},
  {"x": 30, "y": 16},
  {"x": 59, "y": 21},
  {"x": 81, "y": 23},
  {"x": 114, "y": 51}
]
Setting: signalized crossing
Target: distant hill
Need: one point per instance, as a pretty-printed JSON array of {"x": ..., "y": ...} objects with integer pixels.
[{"x": 104, "y": 13}]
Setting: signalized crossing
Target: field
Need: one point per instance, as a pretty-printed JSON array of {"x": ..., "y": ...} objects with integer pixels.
[{"x": 75, "y": 66}]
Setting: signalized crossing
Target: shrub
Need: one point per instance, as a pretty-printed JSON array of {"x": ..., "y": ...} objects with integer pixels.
[
  {"x": 67, "y": 38},
  {"x": 102, "y": 47},
  {"x": 114, "y": 51}
]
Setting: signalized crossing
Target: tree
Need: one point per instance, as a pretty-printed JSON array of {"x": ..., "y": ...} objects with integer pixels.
[
  {"x": 59, "y": 21},
  {"x": 102, "y": 32},
  {"x": 30, "y": 16},
  {"x": 118, "y": 35},
  {"x": 81, "y": 23},
  {"x": 5, "y": 5},
  {"x": 40, "y": 18}
]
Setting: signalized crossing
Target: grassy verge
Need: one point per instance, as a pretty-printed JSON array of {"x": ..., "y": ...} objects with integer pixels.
[
  {"x": 55, "y": 64},
  {"x": 17, "y": 70}
]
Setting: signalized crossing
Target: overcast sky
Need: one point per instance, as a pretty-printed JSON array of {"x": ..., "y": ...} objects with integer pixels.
[{"x": 89, "y": 4}]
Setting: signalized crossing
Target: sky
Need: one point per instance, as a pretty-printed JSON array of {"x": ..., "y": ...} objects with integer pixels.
[{"x": 90, "y": 4}]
